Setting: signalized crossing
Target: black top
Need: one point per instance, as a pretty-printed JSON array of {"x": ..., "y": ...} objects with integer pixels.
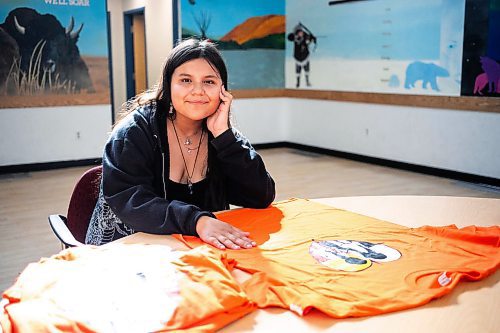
[
  {"x": 136, "y": 165},
  {"x": 181, "y": 192}
]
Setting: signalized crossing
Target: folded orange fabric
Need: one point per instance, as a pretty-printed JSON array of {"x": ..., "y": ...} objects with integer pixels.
[
  {"x": 344, "y": 264},
  {"x": 125, "y": 288}
]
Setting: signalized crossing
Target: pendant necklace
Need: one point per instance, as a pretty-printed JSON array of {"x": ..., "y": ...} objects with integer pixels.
[
  {"x": 189, "y": 177},
  {"x": 190, "y": 149},
  {"x": 188, "y": 142}
]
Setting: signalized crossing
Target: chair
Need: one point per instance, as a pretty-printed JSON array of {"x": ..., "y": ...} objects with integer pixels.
[{"x": 71, "y": 229}]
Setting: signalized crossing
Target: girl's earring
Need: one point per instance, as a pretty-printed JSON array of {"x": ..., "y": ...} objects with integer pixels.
[{"x": 171, "y": 110}]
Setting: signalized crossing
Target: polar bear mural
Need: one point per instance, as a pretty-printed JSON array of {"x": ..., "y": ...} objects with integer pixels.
[{"x": 427, "y": 72}]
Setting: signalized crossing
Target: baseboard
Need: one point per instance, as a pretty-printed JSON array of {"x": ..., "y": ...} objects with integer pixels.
[
  {"x": 48, "y": 165},
  {"x": 462, "y": 176}
]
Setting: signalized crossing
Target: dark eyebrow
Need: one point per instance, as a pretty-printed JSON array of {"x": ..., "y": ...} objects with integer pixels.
[{"x": 210, "y": 76}]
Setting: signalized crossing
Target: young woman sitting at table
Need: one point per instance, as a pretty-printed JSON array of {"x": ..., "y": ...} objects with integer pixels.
[{"x": 174, "y": 158}]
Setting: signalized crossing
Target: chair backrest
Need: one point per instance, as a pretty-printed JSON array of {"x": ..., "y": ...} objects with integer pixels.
[{"x": 82, "y": 202}]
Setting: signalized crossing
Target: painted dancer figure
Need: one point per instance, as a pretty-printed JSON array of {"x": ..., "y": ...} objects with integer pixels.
[{"x": 301, "y": 38}]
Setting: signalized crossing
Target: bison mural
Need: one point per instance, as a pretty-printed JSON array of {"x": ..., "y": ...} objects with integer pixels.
[
  {"x": 42, "y": 39},
  {"x": 10, "y": 52}
]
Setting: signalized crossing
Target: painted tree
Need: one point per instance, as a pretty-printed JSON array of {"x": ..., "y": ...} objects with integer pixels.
[{"x": 203, "y": 22}]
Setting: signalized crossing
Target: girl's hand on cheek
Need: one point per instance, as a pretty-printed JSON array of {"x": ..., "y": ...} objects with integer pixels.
[{"x": 218, "y": 122}]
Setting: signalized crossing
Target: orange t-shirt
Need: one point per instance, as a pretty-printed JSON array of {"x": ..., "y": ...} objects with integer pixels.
[
  {"x": 125, "y": 288},
  {"x": 311, "y": 255}
]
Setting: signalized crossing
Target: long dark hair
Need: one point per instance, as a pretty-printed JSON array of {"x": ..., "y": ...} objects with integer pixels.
[{"x": 186, "y": 50}]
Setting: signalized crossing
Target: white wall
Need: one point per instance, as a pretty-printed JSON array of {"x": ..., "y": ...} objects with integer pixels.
[
  {"x": 117, "y": 53},
  {"x": 262, "y": 120},
  {"x": 464, "y": 141},
  {"x": 39, "y": 135},
  {"x": 159, "y": 36}
]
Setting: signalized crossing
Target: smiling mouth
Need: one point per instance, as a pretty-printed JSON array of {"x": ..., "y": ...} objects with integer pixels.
[{"x": 197, "y": 102}]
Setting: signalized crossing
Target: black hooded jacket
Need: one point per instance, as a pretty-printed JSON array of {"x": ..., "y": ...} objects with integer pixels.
[{"x": 136, "y": 169}]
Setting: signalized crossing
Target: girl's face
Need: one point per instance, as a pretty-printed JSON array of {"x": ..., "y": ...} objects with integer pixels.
[{"x": 195, "y": 89}]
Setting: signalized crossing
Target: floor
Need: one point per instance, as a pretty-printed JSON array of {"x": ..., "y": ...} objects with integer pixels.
[{"x": 26, "y": 199}]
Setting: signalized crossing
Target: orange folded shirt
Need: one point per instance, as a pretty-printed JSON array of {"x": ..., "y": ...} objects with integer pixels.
[
  {"x": 125, "y": 288},
  {"x": 344, "y": 264}
]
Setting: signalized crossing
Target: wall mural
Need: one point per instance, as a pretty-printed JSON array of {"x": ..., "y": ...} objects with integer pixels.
[
  {"x": 481, "y": 65},
  {"x": 427, "y": 47},
  {"x": 53, "y": 52},
  {"x": 250, "y": 34},
  {"x": 385, "y": 46}
]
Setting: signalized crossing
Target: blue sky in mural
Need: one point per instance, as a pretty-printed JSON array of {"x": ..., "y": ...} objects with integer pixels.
[
  {"x": 228, "y": 13},
  {"x": 93, "y": 38},
  {"x": 358, "y": 29}
]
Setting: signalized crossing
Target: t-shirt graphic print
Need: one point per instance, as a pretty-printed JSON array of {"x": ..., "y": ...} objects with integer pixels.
[{"x": 349, "y": 255}]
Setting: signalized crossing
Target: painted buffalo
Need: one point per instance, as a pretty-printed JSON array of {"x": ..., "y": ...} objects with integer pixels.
[
  {"x": 8, "y": 54},
  {"x": 59, "y": 56}
]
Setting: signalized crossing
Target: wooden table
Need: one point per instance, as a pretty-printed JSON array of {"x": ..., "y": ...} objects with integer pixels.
[{"x": 470, "y": 307}]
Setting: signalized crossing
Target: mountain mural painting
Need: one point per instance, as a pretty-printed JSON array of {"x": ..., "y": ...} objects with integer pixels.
[
  {"x": 261, "y": 32},
  {"x": 250, "y": 35},
  {"x": 265, "y": 32}
]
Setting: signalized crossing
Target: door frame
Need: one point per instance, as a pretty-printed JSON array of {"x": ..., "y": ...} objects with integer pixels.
[{"x": 129, "y": 50}]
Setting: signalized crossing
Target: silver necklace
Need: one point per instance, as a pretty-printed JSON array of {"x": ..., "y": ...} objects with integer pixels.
[
  {"x": 190, "y": 149},
  {"x": 189, "y": 176},
  {"x": 188, "y": 141}
]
